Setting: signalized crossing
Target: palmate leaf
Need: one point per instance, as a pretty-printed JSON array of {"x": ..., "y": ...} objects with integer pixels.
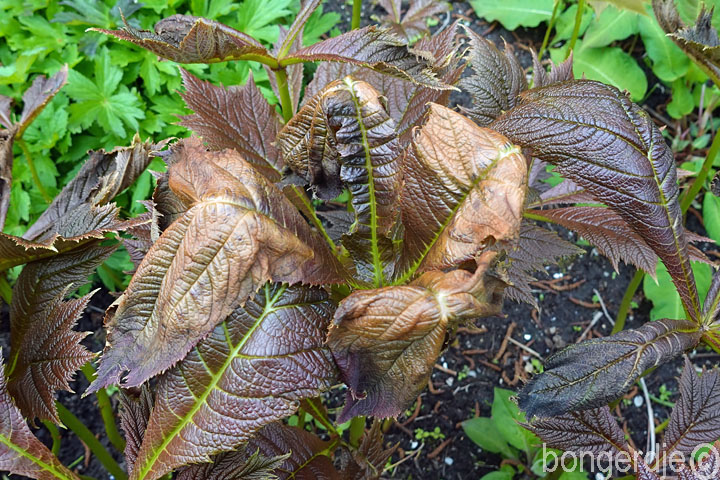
[
  {"x": 413, "y": 23},
  {"x": 345, "y": 137},
  {"x": 45, "y": 350},
  {"x": 239, "y": 232},
  {"x": 188, "y": 39},
  {"x": 252, "y": 369},
  {"x": 595, "y": 372},
  {"x": 603, "y": 142},
  {"x": 451, "y": 167},
  {"x": 20, "y": 452},
  {"x": 385, "y": 341}
]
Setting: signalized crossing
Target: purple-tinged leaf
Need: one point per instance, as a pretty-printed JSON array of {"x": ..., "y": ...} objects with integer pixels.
[
  {"x": 7, "y": 140},
  {"x": 711, "y": 309},
  {"x": 592, "y": 373},
  {"x": 596, "y": 137},
  {"x": 135, "y": 408},
  {"x": 235, "y": 465},
  {"x": 39, "y": 95},
  {"x": 5, "y": 106},
  {"x": 369, "y": 460},
  {"x": 413, "y": 23},
  {"x": 558, "y": 72}
]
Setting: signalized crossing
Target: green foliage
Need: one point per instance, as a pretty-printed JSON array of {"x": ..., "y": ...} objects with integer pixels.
[
  {"x": 514, "y": 13},
  {"x": 662, "y": 293}
]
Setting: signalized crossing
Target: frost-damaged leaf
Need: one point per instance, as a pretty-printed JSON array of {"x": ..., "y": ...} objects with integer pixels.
[
  {"x": 135, "y": 408},
  {"x": 464, "y": 189},
  {"x": 345, "y": 137},
  {"x": 496, "y": 82},
  {"x": 46, "y": 352},
  {"x": 39, "y": 95},
  {"x": 20, "y": 452},
  {"x": 373, "y": 48},
  {"x": 188, "y": 39},
  {"x": 236, "y": 465},
  {"x": 590, "y": 431},
  {"x": 251, "y": 370},
  {"x": 695, "y": 419},
  {"x": 239, "y": 232},
  {"x": 414, "y": 23},
  {"x": 536, "y": 247},
  {"x": 234, "y": 117},
  {"x": 700, "y": 42},
  {"x": 385, "y": 341},
  {"x": 595, "y": 372},
  {"x": 77, "y": 227},
  {"x": 103, "y": 176},
  {"x": 598, "y": 138},
  {"x": 606, "y": 230}
]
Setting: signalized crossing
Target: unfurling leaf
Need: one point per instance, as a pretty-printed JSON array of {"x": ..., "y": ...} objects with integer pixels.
[
  {"x": 20, "y": 452},
  {"x": 464, "y": 189},
  {"x": 595, "y": 372},
  {"x": 561, "y": 72},
  {"x": 700, "y": 42},
  {"x": 373, "y": 48},
  {"x": 135, "y": 408},
  {"x": 252, "y": 369},
  {"x": 46, "y": 352},
  {"x": 386, "y": 341},
  {"x": 234, "y": 117},
  {"x": 596, "y": 137},
  {"x": 592, "y": 431},
  {"x": 345, "y": 137},
  {"x": 369, "y": 460},
  {"x": 188, "y": 39},
  {"x": 413, "y": 23},
  {"x": 239, "y": 232},
  {"x": 496, "y": 82},
  {"x": 235, "y": 465},
  {"x": 695, "y": 419}
]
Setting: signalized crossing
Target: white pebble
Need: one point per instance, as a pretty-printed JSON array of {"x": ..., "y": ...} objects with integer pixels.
[
  {"x": 527, "y": 337},
  {"x": 450, "y": 381},
  {"x": 638, "y": 400},
  {"x": 413, "y": 444},
  {"x": 449, "y": 461},
  {"x": 472, "y": 373},
  {"x": 558, "y": 275},
  {"x": 599, "y": 476}
]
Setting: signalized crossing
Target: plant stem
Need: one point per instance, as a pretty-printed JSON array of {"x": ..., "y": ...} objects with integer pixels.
[
  {"x": 626, "y": 300},
  {"x": 5, "y": 288},
  {"x": 550, "y": 27},
  {"x": 55, "y": 435},
  {"x": 702, "y": 175},
  {"x": 33, "y": 172},
  {"x": 576, "y": 28},
  {"x": 357, "y": 428},
  {"x": 84, "y": 434},
  {"x": 357, "y": 9},
  {"x": 284, "y": 90},
  {"x": 106, "y": 411}
]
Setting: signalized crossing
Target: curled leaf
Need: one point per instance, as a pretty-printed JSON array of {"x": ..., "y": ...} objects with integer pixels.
[
  {"x": 252, "y": 369},
  {"x": 188, "y": 39},
  {"x": 595, "y": 372}
]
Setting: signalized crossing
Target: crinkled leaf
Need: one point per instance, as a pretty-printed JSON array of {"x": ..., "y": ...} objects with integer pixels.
[
  {"x": 413, "y": 23},
  {"x": 236, "y": 465},
  {"x": 448, "y": 211},
  {"x": 606, "y": 230},
  {"x": 596, "y": 137},
  {"x": 46, "y": 352},
  {"x": 711, "y": 309},
  {"x": 386, "y": 341},
  {"x": 700, "y": 42},
  {"x": 593, "y": 431},
  {"x": 373, "y": 48},
  {"x": 252, "y": 369},
  {"x": 7, "y": 139},
  {"x": 536, "y": 247},
  {"x": 703, "y": 468},
  {"x": 345, "y": 137},
  {"x": 234, "y": 117},
  {"x": 558, "y": 72},
  {"x": 496, "y": 82},
  {"x": 103, "y": 176},
  {"x": 595, "y": 372},
  {"x": 188, "y": 39},
  {"x": 695, "y": 419},
  {"x": 135, "y": 408},
  {"x": 239, "y": 232},
  {"x": 20, "y": 452},
  {"x": 39, "y": 95},
  {"x": 369, "y": 460}
]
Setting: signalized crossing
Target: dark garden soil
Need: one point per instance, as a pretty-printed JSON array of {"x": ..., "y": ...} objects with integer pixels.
[{"x": 576, "y": 300}]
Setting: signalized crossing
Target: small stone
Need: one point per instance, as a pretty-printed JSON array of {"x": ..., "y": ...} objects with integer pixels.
[
  {"x": 449, "y": 461},
  {"x": 599, "y": 476},
  {"x": 553, "y": 330},
  {"x": 638, "y": 400},
  {"x": 450, "y": 381},
  {"x": 472, "y": 373},
  {"x": 413, "y": 444},
  {"x": 527, "y": 337},
  {"x": 558, "y": 275}
]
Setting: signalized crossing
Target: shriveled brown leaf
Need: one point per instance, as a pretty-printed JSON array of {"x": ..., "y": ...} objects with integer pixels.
[
  {"x": 20, "y": 452},
  {"x": 447, "y": 210},
  {"x": 188, "y": 39},
  {"x": 251, "y": 370},
  {"x": 239, "y": 232}
]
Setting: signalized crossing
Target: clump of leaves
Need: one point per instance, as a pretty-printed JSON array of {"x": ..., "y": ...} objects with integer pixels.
[{"x": 249, "y": 298}]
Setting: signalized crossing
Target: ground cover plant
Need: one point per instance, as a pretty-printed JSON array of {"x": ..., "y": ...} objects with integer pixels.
[{"x": 341, "y": 238}]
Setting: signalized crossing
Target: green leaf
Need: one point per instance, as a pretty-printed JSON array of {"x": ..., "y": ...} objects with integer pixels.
[
  {"x": 665, "y": 299},
  {"x": 566, "y": 23},
  {"x": 483, "y": 432},
  {"x": 682, "y": 101},
  {"x": 259, "y": 18},
  {"x": 514, "y": 13},
  {"x": 506, "y": 472},
  {"x": 612, "y": 24},
  {"x": 318, "y": 24},
  {"x": 711, "y": 215},
  {"x": 506, "y": 416},
  {"x": 668, "y": 62}
]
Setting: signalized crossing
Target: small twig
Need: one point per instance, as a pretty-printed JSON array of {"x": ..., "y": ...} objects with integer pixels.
[
  {"x": 596, "y": 317},
  {"x": 418, "y": 404},
  {"x": 604, "y": 309},
  {"x": 505, "y": 340},
  {"x": 440, "y": 448},
  {"x": 583, "y": 303},
  {"x": 472, "y": 330},
  {"x": 490, "y": 365},
  {"x": 526, "y": 348},
  {"x": 432, "y": 389},
  {"x": 446, "y": 370},
  {"x": 650, "y": 452}
]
